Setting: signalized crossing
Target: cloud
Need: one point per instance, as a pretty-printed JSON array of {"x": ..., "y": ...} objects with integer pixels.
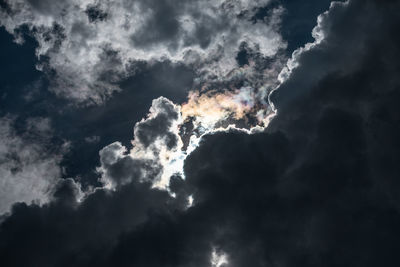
[
  {"x": 327, "y": 39},
  {"x": 245, "y": 107},
  {"x": 28, "y": 170},
  {"x": 210, "y": 108},
  {"x": 170, "y": 132},
  {"x": 92, "y": 139},
  {"x": 156, "y": 151},
  {"x": 107, "y": 214},
  {"x": 319, "y": 187},
  {"x": 88, "y": 47}
]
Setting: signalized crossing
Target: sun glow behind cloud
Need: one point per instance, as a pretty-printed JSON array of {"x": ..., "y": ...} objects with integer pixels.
[
  {"x": 170, "y": 132},
  {"x": 212, "y": 107},
  {"x": 242, "y": 109},
  {"x": 91, "y": 46},
  {"x": 82, "y": 50},
  {"x": 218, "y": 259}
]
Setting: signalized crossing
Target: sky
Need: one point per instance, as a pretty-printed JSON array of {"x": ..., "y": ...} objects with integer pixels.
[{"x": 198, "y": 133}]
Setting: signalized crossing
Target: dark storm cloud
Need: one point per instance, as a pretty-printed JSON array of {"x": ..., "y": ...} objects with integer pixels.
[
  {"x": 347, "y": 42},
  {"x": 88, "y": 229},
  {"x": 298, "y": 19},
  {"x": 318, "y": 188}
]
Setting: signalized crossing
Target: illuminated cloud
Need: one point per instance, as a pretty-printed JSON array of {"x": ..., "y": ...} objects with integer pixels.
[
  {"x": 89, "y": 46},
  {"x": 170, "y": 132},
  {"x": 218, "y": 259},
  {"x": 212, "y": 107},
  {"x": 211, "y": 110},
  {"x": 318, "y": 187},
  {"x": 156, "y": 152}
]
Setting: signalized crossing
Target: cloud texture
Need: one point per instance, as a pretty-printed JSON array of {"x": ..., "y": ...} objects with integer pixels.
[
  {"x": 28, "y": 169},
  {"x": 318, "y": 187},
  {"x": 88, "y": 47}
]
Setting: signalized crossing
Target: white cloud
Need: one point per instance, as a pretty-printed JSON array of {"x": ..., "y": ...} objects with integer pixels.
[
  {"x": 156, "y": 151},
  {"x": 90, "y": 55},
  {"x": 27, "y": 171},
  {"x": 218, "y": 259}
]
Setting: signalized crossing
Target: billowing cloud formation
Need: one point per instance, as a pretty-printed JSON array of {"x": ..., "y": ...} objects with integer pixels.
[
  {"x": 171, "y": 132},
  {"x": 89, "y": 46},
  {"x": 156, "y": 152},
  {"x": 318, "y": 188},
  {"x": 326, "y": 39},
  {"x": 28, "y": 170}
]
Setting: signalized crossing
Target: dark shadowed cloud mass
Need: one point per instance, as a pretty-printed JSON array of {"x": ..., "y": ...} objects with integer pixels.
[{"x": 250, "y": 158}]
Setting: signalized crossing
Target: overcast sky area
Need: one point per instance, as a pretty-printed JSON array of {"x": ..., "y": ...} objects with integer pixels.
[{"x": 199, "y": 133}]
